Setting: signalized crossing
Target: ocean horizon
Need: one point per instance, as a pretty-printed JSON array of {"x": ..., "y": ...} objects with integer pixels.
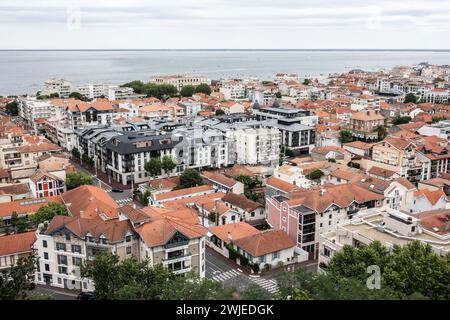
[{"x": 23, "y": 71}]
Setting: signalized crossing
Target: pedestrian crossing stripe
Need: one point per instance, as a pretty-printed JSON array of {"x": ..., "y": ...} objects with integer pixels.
[
  {"x": 122, "y": 201},
  {"x": 267, "y": 284},
  {"x": 226, "y": 275}
]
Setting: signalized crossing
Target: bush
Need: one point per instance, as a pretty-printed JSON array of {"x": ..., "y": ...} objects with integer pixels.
[
  {"x": 354, "y": 165},
  {"x": 267, "y": 267},
  {"x": 255, "y": 267}
]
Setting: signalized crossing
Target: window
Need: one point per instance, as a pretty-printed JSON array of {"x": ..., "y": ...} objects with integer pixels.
[
  {"x": 128, "y": 238},
  {"x": 62, "y": 270},
  {"x": 59, "y": 281},
  {"x": 46, "y": 255},
  {"x": 76, "y": 261},
  {"x": 44, "y": 243},
  {"x": 233, "y": 218},
  {"x": 326, "y": 252},
  {"x": 76, "y": 248},
  {"x": 275, "y": 255},
  {"x": 252, "y": 214},
  {"x": 62, "y": 259},
  {"x": 129, "y": 250},
  {"x": 60, "y": 246},
  {"x": 68, "y": 237},
  {"x": 47, "y": 267}
]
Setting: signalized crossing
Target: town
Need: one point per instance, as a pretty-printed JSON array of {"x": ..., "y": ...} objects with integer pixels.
[{"x": 239, "y": 183}]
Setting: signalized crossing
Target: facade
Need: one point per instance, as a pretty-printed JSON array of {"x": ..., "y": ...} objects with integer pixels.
[
  {"x": 43, "y": 184},
  {"x": 59, "y": 86},
  {"x": 364, "y": 123},
  {"x": 222, "y": 183},
  {"x": 309, "y": 213},
  {"x": 390, "y": 227},
  {"x": 15, "y": 246},
  {"x": 179, "y": 81}
]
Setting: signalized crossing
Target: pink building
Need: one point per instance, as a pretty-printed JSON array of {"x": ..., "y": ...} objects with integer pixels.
[{"x": 306, "y": 214}]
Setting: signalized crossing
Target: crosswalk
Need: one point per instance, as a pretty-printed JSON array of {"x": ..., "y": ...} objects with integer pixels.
[
  {"x": 267, "y": 284},
  {"x": 108, "y": 189},
  {"x": 223, "y": 276},
  {"x": 124, "y": 201}
]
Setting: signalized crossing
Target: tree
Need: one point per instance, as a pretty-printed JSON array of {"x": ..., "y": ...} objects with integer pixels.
[
  {"x": 142, "y": 197},
  {"x": 219, "y": 112},
  {"x": 137, "y": 86},
  {"x": 160, "y": 91},
  {"x": 168, "y": 164},
  {"x": 87, "y": 160},
  {"x": 411, "y": 98},
  {"x": 76, "y": 153},
  {"x": 153, "y": 167},
  {"x": 12, "y": 108},
  {"x": 345, "y": 136},
  {"x": 381, "y": 132},
  {"x": 249, "y": 182},
  {"x": 133, "y": 280},
  {"x": 401, "y": 120},
  {"x": 187, "y": 91},
  {"x": 255, "y": 292},
  {"x": 315, "y": 174},
  {"x": 306, "y": 82},
  {"x": 190, "y": 178},
  {"x": 16, "y": 281},
  {"x": 203, "y": 88},
  {"x": 78, "y": 96},
  {"x": 76, "y": 179},
  {"x": 47, "y": 212}
]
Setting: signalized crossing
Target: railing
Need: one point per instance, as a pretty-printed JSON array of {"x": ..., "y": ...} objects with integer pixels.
[
  {"x": 178, "y": 257},
  {"x": 176, "y": 244}
]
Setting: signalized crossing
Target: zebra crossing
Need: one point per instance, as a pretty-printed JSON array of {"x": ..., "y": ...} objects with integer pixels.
[
  {"x": 108, "y": 189},
  {"x": 124, "y": 201},
  {"x": 221, "y": 277},
  {"x": 267, "y": 284}
]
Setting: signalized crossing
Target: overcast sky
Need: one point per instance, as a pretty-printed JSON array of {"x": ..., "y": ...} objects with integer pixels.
[{"x": 234, "y": 24}]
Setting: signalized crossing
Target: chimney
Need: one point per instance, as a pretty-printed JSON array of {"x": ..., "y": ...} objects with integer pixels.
[
  {"x": 81, "y": 214},
  {"x": 229, "y": 237},
  {"x": 322, "y": 192},
  {"x": 368, "y": 112}
]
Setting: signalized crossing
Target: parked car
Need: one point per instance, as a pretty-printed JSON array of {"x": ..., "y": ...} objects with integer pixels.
[
  {"x": 117, "y": 190},
  {"x": 86, "y": 296}
]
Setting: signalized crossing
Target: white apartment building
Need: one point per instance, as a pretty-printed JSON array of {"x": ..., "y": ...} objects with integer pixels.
[
  {"x": 234, "y": 90},
  {"x": 179, "y": 81},
  {"x": 390, "y": 227},
  {"x": 31, "y": 109},
  {"x": 257, "y": 145},
  {"x": 110, "y": 92},
  {"x": 60, "y": 86},
  {"x": 292, "y": 174}
]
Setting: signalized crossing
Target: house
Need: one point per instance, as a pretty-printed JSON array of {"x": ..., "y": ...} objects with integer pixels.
[
  {"x": 330, "y": 152},
  {"x": 435, "y": 184},
  {"x": 381, "y": 173},
  {"x": 358, "y": 148},
  {"x": 230, "y": 107},
  {"x": 218, "y": 213},
  {"x": 14, "y": 192},
  {"x": 364, "y": 123},
  {"x": 15, "y": 246},
  {"x": 222, "y": 183},
  {"x": 426, "y": 200},
  {"x": 160, "y": 198},
  {"x": 276, "y": 186},
  {"x": 251, "y": 211},
  {"x": 293, "y": 175},
  {"x": 24, "y": 207},
  {"x": 307, "y": 213},
  {"x": 43, "y": 184},
  {"x": 270, "y": 247}
]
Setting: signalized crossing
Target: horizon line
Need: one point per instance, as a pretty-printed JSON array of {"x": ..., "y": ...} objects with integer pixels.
[{"x": 231, "y": 49}]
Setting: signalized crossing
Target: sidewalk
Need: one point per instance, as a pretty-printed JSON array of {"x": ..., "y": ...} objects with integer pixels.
[{"x": 103, "y": 177}]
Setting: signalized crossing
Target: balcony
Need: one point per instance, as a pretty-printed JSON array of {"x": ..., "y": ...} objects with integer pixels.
[
  {"x": 176, "y": 244},
  {"x": 181, "y": 270},
  {"x": 177, "y": 258}
]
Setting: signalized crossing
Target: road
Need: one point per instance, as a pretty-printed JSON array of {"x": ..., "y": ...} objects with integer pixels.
[
  {"x": 122, "y": 198},
  {"x": 223, "y": 270}
]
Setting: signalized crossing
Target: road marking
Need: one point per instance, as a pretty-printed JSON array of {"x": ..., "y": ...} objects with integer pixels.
[
  {"x": 226, "y": 275},
  {"x": 266, "y": 284}
]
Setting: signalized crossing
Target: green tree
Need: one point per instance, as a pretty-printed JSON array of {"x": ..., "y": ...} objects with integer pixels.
[
  {"x": 17, "y": 280},
  {"x": 203, "y": 88},
  {"x": 345, "y": 136},
  {"x": 219, "y": 112},
  {"x": 12, "y": 108},
  {"x": 315, "y": 174},
  {"x": 190, "y": 178},
  {"x": 160, "y": 91},
  {"x": 76, "y": 153},
  {"x": 381, "y": 132},
  {"x": 47, "y": 212},
  {"x": 255, "y": 292},
  {"x": 401, "y": 120},
  {"x": 187, "y": 91},
  {"x": 153, "y": 167},
  {"x": 249, "y": 182},
  {"x": 78, "y": 96},
  {"x": 307, "y": 82},
  {"x": 76, "y": 179},
  {"x": 168, "y": 164},
  {"x": 137, "y": 86},
  {"x": 411, "y": 98}
]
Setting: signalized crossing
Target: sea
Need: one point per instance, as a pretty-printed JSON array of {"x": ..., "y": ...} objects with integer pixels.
[{"x": 23, "y": 72}]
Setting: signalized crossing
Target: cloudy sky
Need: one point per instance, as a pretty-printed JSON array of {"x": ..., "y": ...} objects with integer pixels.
[{"x": 213, "y": 24}]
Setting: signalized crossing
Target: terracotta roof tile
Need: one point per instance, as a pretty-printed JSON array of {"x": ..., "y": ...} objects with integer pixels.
[{"x": 17, "y": 243}]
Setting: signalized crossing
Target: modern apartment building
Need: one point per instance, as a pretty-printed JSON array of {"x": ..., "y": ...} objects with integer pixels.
[{"x": 59, "y": 86}]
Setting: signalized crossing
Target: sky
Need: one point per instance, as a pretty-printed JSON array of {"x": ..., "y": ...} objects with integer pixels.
[{"x": 230, "y": 24}]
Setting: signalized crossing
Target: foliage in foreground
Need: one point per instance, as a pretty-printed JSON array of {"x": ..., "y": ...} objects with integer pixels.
[{"x": 17, "y": 280}]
